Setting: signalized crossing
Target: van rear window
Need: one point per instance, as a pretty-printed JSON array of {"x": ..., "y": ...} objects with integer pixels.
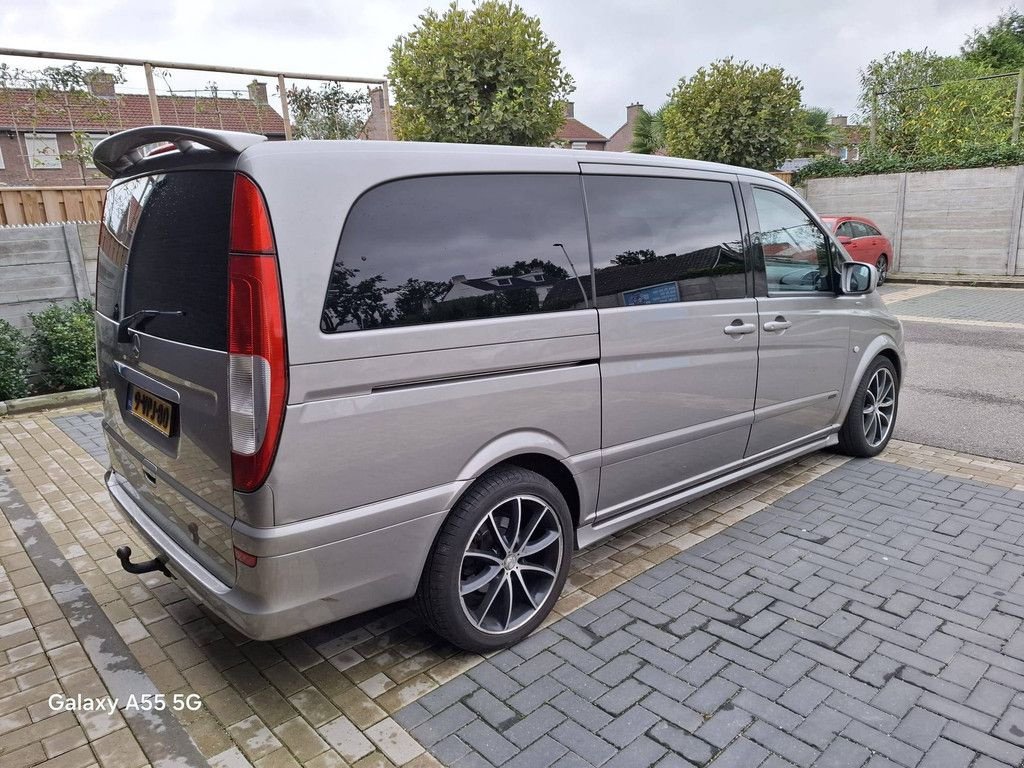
[
  {"x": 164, "y": 245},
  {"x": 461, "y": 247}
]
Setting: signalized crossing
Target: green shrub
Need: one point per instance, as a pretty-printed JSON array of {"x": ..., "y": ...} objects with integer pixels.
[
  {"x": 13, "y": 367},
  {"x": 64, "y": 344},
  {"x": 968, "y": 157}
]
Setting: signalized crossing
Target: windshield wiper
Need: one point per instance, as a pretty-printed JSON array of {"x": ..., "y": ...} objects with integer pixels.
[{"x": 136, "y": 321}]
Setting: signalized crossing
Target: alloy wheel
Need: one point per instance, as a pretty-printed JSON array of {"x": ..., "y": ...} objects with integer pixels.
[
  {"x": 883, "y": 268},
  {"x": 510, "y": 564},
  {"x": 879, "y": 407}
]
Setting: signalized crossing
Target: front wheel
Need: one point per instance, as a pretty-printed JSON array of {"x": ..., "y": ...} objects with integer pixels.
[
  {"x": 499, "y": 562},
  {"x": 869, "y": 422}
]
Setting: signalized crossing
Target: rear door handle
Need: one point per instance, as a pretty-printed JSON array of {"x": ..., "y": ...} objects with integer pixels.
[
  {"x": 739, "y": 328},
  {"x": 778, "y": 324}
]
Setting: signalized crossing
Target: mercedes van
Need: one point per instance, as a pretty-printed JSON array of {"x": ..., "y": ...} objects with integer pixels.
[{"x": 340, "y": 374}]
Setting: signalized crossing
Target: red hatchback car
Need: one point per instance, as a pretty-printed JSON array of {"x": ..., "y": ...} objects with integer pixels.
[{"x": 863, "y": 241}]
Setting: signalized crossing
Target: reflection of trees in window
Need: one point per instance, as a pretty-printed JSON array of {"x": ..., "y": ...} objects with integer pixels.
[
  {"x": 551, "y": 271},
  {"x": 516, "y": 302},
  {"x": 416, "y": 299},
  {"x": 359, "y": 303},
  {"x": 641, "y": 256}
]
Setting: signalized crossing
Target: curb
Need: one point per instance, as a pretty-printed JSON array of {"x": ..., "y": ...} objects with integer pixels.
[
  {"x": 956, "y": 280},
  {"x": 47, "y": 402}
]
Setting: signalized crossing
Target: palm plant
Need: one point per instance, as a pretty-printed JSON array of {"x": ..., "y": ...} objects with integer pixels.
[
  {"x": 649, "y": 132},
  {"x": 817, "y": 133}
]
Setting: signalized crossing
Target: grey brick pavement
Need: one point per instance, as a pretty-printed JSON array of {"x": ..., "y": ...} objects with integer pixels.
[
  {"x": 1003, "y": 305},
  {"x": 86, "y": 430},
  {"x": 871, "y": 617}
]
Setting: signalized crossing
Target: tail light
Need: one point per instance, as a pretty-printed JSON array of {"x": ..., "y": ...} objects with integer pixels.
[{"x": 258, "y": 364}]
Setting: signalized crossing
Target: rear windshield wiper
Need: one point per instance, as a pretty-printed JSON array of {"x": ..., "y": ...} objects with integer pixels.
[{"x": 138, "y": 320}]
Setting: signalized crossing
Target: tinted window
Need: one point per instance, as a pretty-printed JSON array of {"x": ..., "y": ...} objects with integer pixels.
[
  {"x": 861, "y": 229},
  {"x": 845, "y": 229},
  {"x": 658, "y": 240},
  {"x": 449, "y": 248},
  {"x": 171, "y": 233},
  {"x": 797, "y": 255}
]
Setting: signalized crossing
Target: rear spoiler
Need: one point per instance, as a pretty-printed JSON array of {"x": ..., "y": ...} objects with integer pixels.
[{"x": 116, "y": 154}]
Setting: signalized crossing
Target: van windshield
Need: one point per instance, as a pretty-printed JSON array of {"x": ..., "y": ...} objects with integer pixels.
[{"x": 163, "y": 246}]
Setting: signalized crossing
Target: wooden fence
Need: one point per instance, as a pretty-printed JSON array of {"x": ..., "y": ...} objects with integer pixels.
[{"x": 50, "y": 205}]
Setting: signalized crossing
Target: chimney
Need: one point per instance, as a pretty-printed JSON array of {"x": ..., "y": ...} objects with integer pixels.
[
  {"x": 633, "y": 112},
  {"x": 377, "y": 100},
  {"x": 258, "y": 92},
  {"x": 101, "y": 84},
  {"x": 569, "y": 109},
  {"x": 839, "y": 120},
  {"x": 458, "y": 278}
]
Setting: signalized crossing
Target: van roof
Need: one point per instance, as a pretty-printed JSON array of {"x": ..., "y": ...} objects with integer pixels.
[
  {"x": 505, "y": 152},
  {"x": 119, "y": 154}
]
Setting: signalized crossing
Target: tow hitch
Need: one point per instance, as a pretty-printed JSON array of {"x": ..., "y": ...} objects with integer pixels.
[{"x": 124, "y": 554}]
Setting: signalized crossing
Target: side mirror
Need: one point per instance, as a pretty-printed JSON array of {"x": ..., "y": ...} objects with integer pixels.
[
  {"x": 845, "y": 239},
  {"x": 858, "y": 279}
]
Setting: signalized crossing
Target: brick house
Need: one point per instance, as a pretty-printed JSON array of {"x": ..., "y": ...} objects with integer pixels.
[
  {"x": 847, "y": 147},
  {"x": 622, "y": 139},
  {"x": 37, "y": 132}
]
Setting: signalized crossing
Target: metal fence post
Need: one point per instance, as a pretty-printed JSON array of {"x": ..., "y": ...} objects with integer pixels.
[
  {"x": 154, "y": 105},
  {"x": 387, "y": 112},
  {"x": 284, "y": 108},
  {"x": 1017, "y": 105}
]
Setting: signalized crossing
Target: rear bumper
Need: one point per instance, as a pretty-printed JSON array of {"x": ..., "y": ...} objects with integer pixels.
[{"x": 297, "y": 590}]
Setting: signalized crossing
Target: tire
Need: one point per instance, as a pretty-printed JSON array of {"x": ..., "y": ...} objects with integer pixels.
[
  {"x": 522, "y": 589},
  {"x": 882, "y": 265},
  {"x": 866, "y": 432}
]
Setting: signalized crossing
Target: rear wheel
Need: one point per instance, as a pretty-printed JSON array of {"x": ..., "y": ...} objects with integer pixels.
[
  {"x": 872, "y": 415},
  {"x": 499, "y": 562},
  {"x": 882, "y": 265}
]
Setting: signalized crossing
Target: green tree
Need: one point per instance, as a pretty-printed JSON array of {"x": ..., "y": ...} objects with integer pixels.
[
  {"x": 416, "y": 298},
  {"x": 483, "y": 76},
  {"x": 926, "y": 104},
  {"x": 330, "y": 112},
  {"x": 551, "y": 270},
  {"x": 816, "y": 132},
  {"x": 734, "y": 112},
  {"x": 649, "y": 132},
  {"x": 999, "y": 45}
]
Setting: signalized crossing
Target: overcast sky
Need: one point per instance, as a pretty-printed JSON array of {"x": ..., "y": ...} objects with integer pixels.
[{"x": 618, "y": 51}]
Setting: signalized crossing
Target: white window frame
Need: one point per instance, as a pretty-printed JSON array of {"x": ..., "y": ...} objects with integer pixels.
[
  {"x": 2, "y": 166},
  {"x": 579, "y": 145},
  {"x": 43, "y": 151},
  {"x": 93, "y": 139}
]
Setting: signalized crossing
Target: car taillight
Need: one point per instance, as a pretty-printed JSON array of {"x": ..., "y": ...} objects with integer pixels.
[{"x": 258, "y": 364}]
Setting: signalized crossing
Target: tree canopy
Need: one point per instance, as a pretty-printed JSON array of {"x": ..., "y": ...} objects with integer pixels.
[
  {"x": 734, "y": 112},
  {"x": 329, "y": 112},
  {"x": 1000, "y": 45},
  {"x": 488, "y": 75},
  {"x": 927, "y": 104}
]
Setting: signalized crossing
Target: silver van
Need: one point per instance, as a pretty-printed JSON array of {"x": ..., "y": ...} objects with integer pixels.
[{"x": 338, "y": 375}]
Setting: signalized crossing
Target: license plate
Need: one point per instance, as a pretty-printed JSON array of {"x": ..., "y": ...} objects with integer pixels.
[{"x": 150, "y": 409}]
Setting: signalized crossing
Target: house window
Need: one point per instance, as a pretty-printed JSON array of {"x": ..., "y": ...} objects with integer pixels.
[
  {"x": 42, "y": 149},
  {"x": 579, "y": 145},
  {"x": 1, "y": 160},
  {"x": 89, "y": 141},
  {"x": 844, "y": 153}
]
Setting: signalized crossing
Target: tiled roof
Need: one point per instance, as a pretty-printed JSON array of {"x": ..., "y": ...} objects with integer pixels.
[
  {"x": 574, "y": 130},
  {"x": 23, "y": 110}
]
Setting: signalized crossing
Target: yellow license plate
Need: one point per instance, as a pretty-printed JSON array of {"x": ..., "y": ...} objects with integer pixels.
[{"x": 153, "y": 410}]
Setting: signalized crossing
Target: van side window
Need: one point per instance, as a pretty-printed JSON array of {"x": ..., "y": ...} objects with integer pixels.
[
  {"x": 657, "y": 240},
  {"x": 462, "y": 247},
  {"x": 797, "y": 255}
]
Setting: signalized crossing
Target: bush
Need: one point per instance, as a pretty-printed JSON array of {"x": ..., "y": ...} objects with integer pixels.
[
  {"x": 971, "y": 157},
  {"x": 13, "y": 368},
  {"x": 64, "y": 344}
]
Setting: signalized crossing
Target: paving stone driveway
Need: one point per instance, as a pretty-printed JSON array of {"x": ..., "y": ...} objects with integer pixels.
[
  {"x": 871, "y": 617},
  {"x": 781, "y": 634}
]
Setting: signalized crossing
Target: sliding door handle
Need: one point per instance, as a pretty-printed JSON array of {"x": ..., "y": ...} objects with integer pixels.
[
  {"x": 778, "y": 324},
  {"x": 739, "y": 328}
]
